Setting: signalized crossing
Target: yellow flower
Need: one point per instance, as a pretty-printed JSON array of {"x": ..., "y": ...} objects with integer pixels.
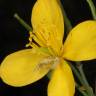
[{"x": 49, "y": 53}]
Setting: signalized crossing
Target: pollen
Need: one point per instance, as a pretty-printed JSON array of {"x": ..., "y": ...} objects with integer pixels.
[{"x": 49, "y": 63}]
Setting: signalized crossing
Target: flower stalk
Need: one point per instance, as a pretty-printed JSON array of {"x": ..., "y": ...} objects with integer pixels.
[
  {"x": 85, "y": 82},
  {"x": 92, "y": 8},
  {"x": 80, "y": 90},
  {"x": 22, "y": 22}
]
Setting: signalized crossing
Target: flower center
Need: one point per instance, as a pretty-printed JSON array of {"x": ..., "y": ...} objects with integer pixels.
[{"x": 49, "y": 63}]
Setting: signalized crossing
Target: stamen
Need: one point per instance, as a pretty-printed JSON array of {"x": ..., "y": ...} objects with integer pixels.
[
  {"x": 52, "y": 46},
  {"x": 52, "y": 52},
  {"x": 39, "y": 35},
  {"x": 31, "y": 44},
  {"x": 30, "y": 39},
  {"x": 38, "y": 41},
  {"x": 43, "y": 35},
  {"x": 61, "y": 50}
]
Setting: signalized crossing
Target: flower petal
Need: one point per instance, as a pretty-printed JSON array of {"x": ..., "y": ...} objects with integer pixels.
[
  {"x": 22, "y": 68},
  {"x": 48, "y": 23},
  {"x": 62, "y": 82},
  {"x": 81, "y": 42}
]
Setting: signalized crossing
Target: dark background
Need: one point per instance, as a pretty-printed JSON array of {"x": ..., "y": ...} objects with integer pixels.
[{"x": 13, "y": 37}]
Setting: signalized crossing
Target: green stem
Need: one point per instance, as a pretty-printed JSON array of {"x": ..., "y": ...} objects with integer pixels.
[
  {"x": 92, "y": 8},
  {"x": 76, "y": 72},
  {"x": 82, "y": 92},
  {"x": 22, "y": 22},
  {"x": 82, "y": 78},
  {"x": 67, "y": 22},
  {"x": 79, "y": 66},
  {"x": 85, "y": 82},
  {"x": 79, "y": 78}
]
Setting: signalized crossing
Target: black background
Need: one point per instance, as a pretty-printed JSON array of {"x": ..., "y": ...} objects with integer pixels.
[{"x": 13, "y": 37}]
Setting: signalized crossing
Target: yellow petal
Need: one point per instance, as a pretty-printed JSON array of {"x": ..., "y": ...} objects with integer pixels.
[
  {"x": 62, "y": 81},
  {"x": 48, "y": 24},
  {"x": 81, "y": 42},
  {"x": 23, "y": 67}
]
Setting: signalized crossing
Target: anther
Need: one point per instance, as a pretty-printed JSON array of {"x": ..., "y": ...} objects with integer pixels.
[{"x": 30, "y": 39}]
